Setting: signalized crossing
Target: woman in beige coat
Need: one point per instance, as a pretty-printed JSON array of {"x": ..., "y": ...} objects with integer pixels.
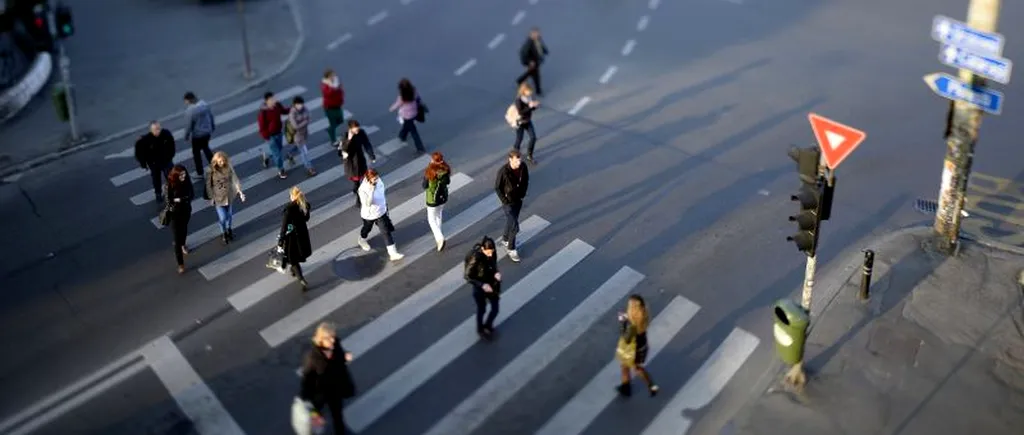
[{"x": 222, "y": 185}]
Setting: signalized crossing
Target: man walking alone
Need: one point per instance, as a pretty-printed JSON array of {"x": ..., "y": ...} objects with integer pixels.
[
  {"x": 531, "y": 55},
  {"x": 333, "y": 100},
  {"x": 200, "y": 127},
  {"x": 510, "y": 185}
]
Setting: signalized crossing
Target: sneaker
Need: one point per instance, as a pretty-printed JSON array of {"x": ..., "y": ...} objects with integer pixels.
[
  {"x": 530, "y": 160},
  {"x": 514, "y": 256},
  {"x": 395, "y": 256},
  {"x": 503, "y": 242},
  {"x": 305, "y": 285},
  {"x": 363, "y": 244},
  {"x": 181, "y": 270},
  {"x": 653, "y": 389},
  {"x": 266, "y": 161},
  {"x": 282, "y": 175},
  {"x": 440, "y": 245},
  {"x": 311, "y": 172}
]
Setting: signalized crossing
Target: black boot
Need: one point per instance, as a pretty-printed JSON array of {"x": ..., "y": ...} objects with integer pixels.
[
  {"x": 224, "y": 237},
  {"x": 625, "y": 390},
  {"x": 231, "y": 235}
]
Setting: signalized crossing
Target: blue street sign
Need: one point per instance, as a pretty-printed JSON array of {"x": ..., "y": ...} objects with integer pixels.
[
  {"x": 950, "y": 87},
  {"x": 995, "y": 68},
  {"x": 949, "y": 31}
]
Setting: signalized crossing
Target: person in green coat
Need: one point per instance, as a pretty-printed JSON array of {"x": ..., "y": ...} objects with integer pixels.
[{"x": 435, "y": 184}]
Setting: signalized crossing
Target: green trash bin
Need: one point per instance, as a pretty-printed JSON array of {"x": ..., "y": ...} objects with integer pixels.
[
  {"x": 60, "y": 103},
  {"x": 790, "y": 330}
]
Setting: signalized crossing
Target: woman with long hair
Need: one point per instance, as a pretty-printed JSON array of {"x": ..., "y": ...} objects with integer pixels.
[
  {"x": 632, "y": 348},
  {"x": 178, "y": 194},
  {"x": 355, "y": 146},
  {"x": 326, "y": 379},
  {"x": 525, "y": 105},
  {"x": 374, "y": 211},
  {"x": 435, "y": 184},
  {"x": 223, "y": 186},
  {"x": 294, "y": 236},
  {"x": 408, "y": 106}
]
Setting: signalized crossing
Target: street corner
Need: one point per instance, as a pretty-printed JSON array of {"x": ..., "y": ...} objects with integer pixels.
[
  {"x": 354, "y": 264},
  {"x": 995, "y": 210}
]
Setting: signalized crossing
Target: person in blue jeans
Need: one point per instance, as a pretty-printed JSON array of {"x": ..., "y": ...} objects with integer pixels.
[
  {"x": 223, "y": 186},
  {"x": 272, "y": 131},
  {"x": 510, "y": 185}
]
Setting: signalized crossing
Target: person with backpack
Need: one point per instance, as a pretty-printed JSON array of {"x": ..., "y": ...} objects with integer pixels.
[
  {"x": 435, "y": 183},
  {"x": 524, "y": 106},
  {"x": 271, "y": 130},
  {"x": 481, "y": 271},
  {"x": 297, "y": 133}
]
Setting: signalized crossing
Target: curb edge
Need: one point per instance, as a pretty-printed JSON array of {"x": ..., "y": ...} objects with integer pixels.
[{"x": 300, "y": 41}]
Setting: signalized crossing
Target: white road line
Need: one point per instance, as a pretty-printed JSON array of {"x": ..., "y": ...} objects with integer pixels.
[
  {"x": 588, "y": 403},
  {"x": 518, "y": 18},
  {"x": 608, "y": 73},
  {"x": 579, "y": 105},
  {"x": 465, "y": 67},
  {"x": 705, "y": 384},
  {"x": 486, "y": 400},
  {"x": 653, "y": 4},
  {"x": 185, "y": 155},
  {"x": 376, "y": 402},
  {"x": 55, "y": 407},
  {"x": 410, "y": 309},
  {"x": 642, "y": 24},
  {"x": 377, "y": 18},
  {"x": 735, "y": 2},
  {"x": 341, "y": 40},
  {"x": 628, "y": 48},
  {"x": 222, "y": 118},
  {"x": 406, "y": 2},
  {"x": 259, "y": 290},
  {"x": 194, "y": 397},
  {"x": 496, "y": 41},
  {"x": 533, "y": 2},
  {"x": 304, "y": 317}
]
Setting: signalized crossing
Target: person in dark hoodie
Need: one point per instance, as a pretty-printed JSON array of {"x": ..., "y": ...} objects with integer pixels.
[
  {"x": 155, "y": 151},
  {"x": 201, "y": 125},
  {"x": 272, "y": 131},
  {"x": 481, "y": 271},
  {"x": 510, "y": 185},
  {"x": 353, "y": 149},
  {"x": 531, "y": 55},
  {"x": 326, "y": 380}
]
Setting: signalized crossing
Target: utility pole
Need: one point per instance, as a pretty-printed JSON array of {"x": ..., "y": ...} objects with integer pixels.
[
  {"x": 965, "y": 120},
  {"x": 245, "y": 40}
]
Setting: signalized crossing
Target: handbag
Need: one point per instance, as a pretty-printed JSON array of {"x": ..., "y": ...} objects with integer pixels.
[
  {"x": 165, "y": 217},
  {"x": 625, "y": 352},
  {"x": 421, "y": 111},
  {"x": 305, "y": 421},
  {"x": 277, "y": 261}
]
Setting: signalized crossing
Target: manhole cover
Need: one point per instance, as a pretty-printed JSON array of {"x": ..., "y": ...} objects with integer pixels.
[{"x": 354, "y": 264}]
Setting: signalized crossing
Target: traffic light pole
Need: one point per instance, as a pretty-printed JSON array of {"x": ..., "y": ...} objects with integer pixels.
[
  {"x": 69, "y": 98},
  {"x": 964, "y": 123}
]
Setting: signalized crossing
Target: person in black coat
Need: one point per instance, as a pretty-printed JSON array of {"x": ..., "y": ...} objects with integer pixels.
[
  {"x": 326, "y": 379},
  {"x": 294, "y": 236},
  {"x": 481, "y": 271},
  {"x": 531, "y": 55},
  {"x": 351, "y": 149},
  {"x": 510, "y": 185},
  {"x": 178, "y": 205},
  {"x": 155, "y": 151}
]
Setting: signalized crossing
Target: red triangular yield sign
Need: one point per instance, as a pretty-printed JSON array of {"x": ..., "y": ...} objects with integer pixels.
[{"x": 836, "y": 140}]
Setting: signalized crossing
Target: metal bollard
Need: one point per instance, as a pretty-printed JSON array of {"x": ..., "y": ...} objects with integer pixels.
[{"x": 865, "y": 279}]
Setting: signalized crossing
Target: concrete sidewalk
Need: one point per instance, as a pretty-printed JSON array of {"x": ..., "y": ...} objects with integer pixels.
[
  {"x": 938, "y": 349},
  {"x": 132, "y": 61}
]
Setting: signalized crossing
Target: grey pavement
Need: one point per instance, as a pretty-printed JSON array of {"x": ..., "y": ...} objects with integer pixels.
[
  {"x": 937, "y": 349},
  {"x": 675, "y": 168},
  {"x": 131, "y": 62}
]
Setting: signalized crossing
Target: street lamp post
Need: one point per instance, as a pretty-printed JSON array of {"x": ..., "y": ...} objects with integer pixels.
[{"x": 245, "y": 40}]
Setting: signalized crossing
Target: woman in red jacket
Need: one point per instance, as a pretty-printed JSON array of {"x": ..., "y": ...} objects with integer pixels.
[{"x": 333, "y": 98}]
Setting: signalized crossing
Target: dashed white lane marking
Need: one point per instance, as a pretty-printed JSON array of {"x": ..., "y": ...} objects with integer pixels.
[
  {"x": 518, "y": 18},
  {"x": 642, "y": 24},
  {"x": 735, "y": 2},
  {"x": 628, "y": 48},
  {"x": 653, "y": 4},
  {"x": 579, "y": 106},
  {"x": 533, "y": 2},
  {"x": 343, "y": 39},
  {"x": 496, "y": 41},
  {"x": 406, "y": 2},
  {"x": 465, "y": 67},
  {"x": 608, "y": 73},
  {"x": 377, "y": 18}
]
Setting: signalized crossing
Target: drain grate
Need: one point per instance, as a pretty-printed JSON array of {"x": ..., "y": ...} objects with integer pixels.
[{"x": 926, "y": 206}]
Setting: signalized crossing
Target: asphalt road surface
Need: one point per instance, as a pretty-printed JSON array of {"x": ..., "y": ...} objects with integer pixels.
[{"x": 662, "y": 171}]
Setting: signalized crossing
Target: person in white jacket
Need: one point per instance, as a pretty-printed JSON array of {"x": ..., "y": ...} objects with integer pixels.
[{"x": 374, "y": 210}]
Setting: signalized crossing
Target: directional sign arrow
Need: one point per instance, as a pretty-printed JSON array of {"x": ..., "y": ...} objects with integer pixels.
[
  {"x": 949, "y": 31},
  {"x": 947, "y": 86},
  {"x": 995, "y": 68}
]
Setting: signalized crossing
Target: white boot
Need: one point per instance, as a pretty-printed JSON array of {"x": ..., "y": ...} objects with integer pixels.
[
  {"x": 440, "y": 244},
  {"x": 363, "y": 243},
  {"x": 393, "y": 253}
]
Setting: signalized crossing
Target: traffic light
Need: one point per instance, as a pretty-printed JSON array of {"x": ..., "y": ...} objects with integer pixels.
[
  {"x": 807, "y": 161},
  {"x": 808, "y": 220},
  {"x": 64, "y": 23}
]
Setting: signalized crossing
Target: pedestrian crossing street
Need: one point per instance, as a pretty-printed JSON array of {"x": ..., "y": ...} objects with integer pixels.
[{"x": 391, "y": 395}]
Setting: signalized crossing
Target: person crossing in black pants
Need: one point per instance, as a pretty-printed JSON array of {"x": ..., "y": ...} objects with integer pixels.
[
  {"x": 510, "y": 185},
  {"x": 532, "y": 55},
  {"x": 200, "y": 128},
  {"x": 155, "y": 151},
  {"x": 481, "y": 271}
]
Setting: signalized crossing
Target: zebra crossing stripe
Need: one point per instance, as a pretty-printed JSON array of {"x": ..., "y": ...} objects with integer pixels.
[
  {"x": 384, "y": 396},
  {"x": 304, "y": 317},
  {"x": 186, "y": 154},
  {"x": 705, "y": 384},
  {"x": 417, "y": 304},
  {"x": 486, "y": 400},
  {"x": 584, "y": 407}
]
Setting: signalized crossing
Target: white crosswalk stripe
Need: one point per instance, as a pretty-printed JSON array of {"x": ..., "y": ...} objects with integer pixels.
[{"x": 383, "y": 401}]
